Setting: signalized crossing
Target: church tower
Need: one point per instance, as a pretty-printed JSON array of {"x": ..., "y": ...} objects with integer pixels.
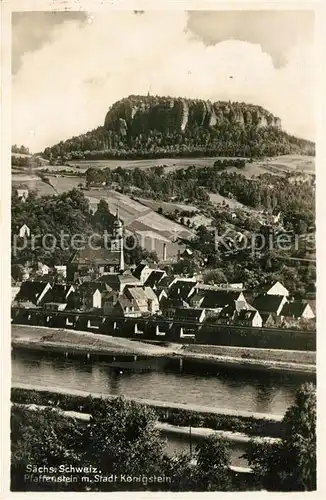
[{"x": 117, "y": 242}]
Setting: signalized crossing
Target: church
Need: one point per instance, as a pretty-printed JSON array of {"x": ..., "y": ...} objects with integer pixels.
[{"x": 98, "y": 261}]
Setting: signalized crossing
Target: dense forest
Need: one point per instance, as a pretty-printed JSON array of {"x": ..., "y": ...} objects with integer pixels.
[{"x": 151, "y": 127}]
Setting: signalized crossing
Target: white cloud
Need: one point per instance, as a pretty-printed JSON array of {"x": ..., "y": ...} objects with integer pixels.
[{"x": 65, "y": 87}]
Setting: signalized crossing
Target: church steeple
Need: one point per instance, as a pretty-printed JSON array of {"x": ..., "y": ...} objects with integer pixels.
[{"x": 117, "y": 243}]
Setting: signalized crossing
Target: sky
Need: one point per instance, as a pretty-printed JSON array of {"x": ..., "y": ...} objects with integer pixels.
[{"x": 69, "y": 67}]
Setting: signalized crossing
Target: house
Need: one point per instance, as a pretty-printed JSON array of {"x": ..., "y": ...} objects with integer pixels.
[
  {"x": 189, "y": 315},
  {"x": 118, "y": 282},
  {"x": 153, "y": 302},
  {"x": 298, "y": 309},
  {"x": 278, "y": 289},
  {"x": 90, "y": 294},
  {"x": 125, "y": 307},
  {"x": 268, "y": 319},
  {"x": 138, "y": 297},
  {"x": 22, "y": 194},
  {"x": 161, "y": 294},
  {"x": 59, "y": 296},
  {"x": 61, "y": 271},
  {"x": 269, "y": 303},
  {"x": 143, "y": 271},
  {"x": 181, "y": 288},
  {"x": 218, "y": 299},
  {"x": 249, "y": 318},
  {"x": 33, "y": 291},
  {"x": 155, "y": 278},
  {"x": 133, "y": 302},
  {"x": 100, "y": 260},
  {"x": 24, "y": 231},
  {"x": 109, "y": 299},
  {"x": 42, "y": 269}
]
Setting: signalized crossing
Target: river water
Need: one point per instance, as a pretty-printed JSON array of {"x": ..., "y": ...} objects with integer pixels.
[{"x": 236, "y": 390}]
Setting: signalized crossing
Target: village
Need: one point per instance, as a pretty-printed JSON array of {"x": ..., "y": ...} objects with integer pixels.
[{"x": 96, "y": 290}]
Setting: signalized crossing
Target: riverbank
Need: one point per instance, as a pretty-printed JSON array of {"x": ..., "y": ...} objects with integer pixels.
[
  {"x": 175, "y": 419},
  {"x": 74, "y": 341},
  {"x": 166, "y": 430}
]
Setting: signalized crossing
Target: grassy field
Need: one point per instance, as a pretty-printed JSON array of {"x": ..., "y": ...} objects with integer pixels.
[
  {"x": 278, "y": 165},
  {"x": 305, "y": 357}
]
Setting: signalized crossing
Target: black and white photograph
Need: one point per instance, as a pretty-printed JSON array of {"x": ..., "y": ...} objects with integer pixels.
[{"x": 163, "y": 257}]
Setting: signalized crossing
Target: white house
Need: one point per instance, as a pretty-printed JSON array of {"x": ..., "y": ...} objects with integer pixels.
[
  {"x": 278, "y": 289},
  {"x": 142, "y": 272},
  {"x": 42, "y": 268},
  {"x": 61, "y": 270},
  {"x": 24, "y": 231},
  {"x": 249, "y": 317},
  {"x": 298, "y": 310}
]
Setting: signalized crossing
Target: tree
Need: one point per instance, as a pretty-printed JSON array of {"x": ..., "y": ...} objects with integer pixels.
[
  {"x": 213, "y": 458},
  {"x": 214, "y": 277},
  {"x": 122, "y": 438},
  {"x": 42, "y": 437},
  {"x": 291, "y": 464}
]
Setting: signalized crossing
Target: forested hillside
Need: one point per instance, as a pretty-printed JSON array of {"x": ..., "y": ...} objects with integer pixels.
[{"x": 149, "y": 127}]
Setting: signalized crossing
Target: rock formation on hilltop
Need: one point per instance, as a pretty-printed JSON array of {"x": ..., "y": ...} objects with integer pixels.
[
  {"x": 153, "y": 126},
  {"x": 139, "y": 114}
]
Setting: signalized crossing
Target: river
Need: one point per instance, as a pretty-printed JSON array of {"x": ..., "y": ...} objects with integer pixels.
[
  {"x": 263, "y": 393},
  {"x": 236, "y": 390}
]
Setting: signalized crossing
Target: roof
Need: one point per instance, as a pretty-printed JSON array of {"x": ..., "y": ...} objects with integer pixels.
[
  {"x": 98, "y": 256},
  {"x": 137, "y": 294},
  {"x": 30, "y": 290},
  {"x": 266, "y": 316},
  {"x": 117, "y": 279},
  {"x": 90, "y": 287},
  {"x": 268, "y": 303},
  {"x": 247, "y": 315},
  {"x": 219, "y": 298},
  {"x": 165, "y": 282},
  {"x": 181, "y": 289},
  {"x": 58, "y": 293},
  {"x": 150, "y": 294},
  {"x": 227, "y": 311},
  {"x": 294, "y": 309},
  {"x": 123, "y": 301},
  {"x": 139, "y": 269},
  {"x": 154, "y": 278},
  {"x": 188, "y": 314},
  {"x": 174, "y": 303}
]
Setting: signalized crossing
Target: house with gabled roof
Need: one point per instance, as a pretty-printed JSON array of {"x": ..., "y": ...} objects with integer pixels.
[
  {"x": 143, "y": 271},
  {"x": 181, "y": 288},
  {"x": 119, "y": 282},
  {"x": 249, "y": 317},
  {"x": 269, "y": 303},
  {"x": 189, "y": 315},
  {"x": 24, "y": 231},
  {"x": 298, "y": 309},
  {"x": 217, "y": 299},
  {"x": 155, "y": 278},
  {"x": 278, "y": 289},
  {"x": 33, "y": 291},
  {"x": 138, "y": 297}
]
